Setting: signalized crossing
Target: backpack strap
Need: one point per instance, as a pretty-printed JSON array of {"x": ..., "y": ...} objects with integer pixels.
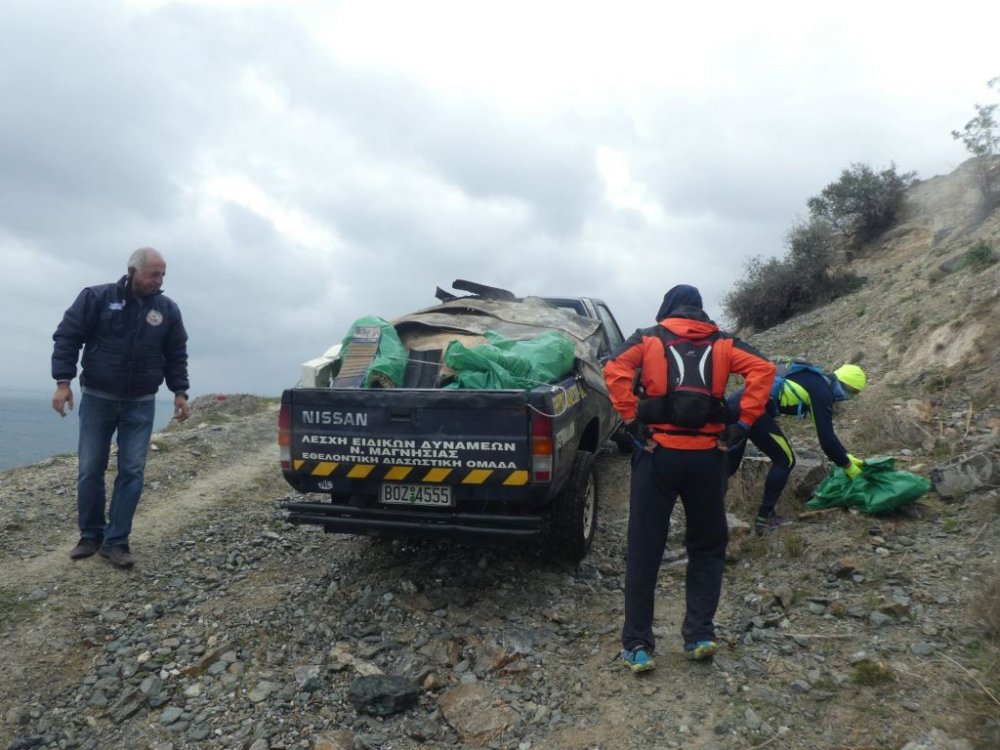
[
  {"x": 668, "y": 337},
  {"x": 787, "y": 393},
  {"x": 793, "y": 394}
]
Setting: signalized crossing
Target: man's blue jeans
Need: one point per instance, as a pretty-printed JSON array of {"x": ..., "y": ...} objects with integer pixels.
[{"x": 100, "y": 418}]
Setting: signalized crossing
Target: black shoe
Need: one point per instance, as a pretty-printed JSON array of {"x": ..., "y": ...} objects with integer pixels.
[
  {"x": 84, "y": 548},
  {"x": 119, "y": 556},
  {"x": 770, "y": 523}
]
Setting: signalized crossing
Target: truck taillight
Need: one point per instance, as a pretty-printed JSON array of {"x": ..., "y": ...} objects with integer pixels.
[
  {"x": 285, "y": 436},
  {"x": 541, "y": 447}
]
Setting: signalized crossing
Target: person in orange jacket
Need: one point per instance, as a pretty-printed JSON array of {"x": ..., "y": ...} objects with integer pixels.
[{"x": 675, "y": 412}]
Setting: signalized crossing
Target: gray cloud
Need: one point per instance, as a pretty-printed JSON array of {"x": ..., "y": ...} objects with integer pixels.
[{"x": 293, "y": 192}]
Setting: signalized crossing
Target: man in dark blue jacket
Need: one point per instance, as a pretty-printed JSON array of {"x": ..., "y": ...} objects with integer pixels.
[
  {"x": 805, "y": 391},
  {"x": 133, "y": 339}
]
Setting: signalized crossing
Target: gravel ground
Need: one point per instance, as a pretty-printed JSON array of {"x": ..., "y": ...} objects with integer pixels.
[{"x": 236, "y": 630}]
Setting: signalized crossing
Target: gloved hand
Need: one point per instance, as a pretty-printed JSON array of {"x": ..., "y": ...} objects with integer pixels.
[
  {"x": 735, "y": 434},
  {"x": 854, "y": 466},
  {"x": 638, "y": 431}
]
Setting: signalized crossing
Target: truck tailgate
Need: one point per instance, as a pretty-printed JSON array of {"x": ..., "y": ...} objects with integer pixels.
[{"x": 341, "y": 439}]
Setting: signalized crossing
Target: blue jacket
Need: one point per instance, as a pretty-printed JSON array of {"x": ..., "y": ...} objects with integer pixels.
[
  {"x": 821, "y": 398},
  {"x": 130, "y": 344}
]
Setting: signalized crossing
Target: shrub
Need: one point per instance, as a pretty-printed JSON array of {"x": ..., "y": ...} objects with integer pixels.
[
  {"x": 979, "y": 686},
  {"x": 981, "y": 137},
  {"x": 795, "y": 545},
  {"x": 773, "y": 290},
  {"x": 872, "y": 673},
  {"x": 981, "y": 134},
  {"x": 987, "y": 609},
  {"x": 862, "y": 203},
  {"x": 978, "y": 257}
]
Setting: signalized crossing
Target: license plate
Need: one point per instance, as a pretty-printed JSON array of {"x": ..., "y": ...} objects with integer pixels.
[{"x": 435, "y": 495}]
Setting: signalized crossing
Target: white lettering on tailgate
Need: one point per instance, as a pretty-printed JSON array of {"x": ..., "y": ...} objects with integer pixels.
[
  {"x": 345, "y": 418},
  {"x": 324, "y": 439}
]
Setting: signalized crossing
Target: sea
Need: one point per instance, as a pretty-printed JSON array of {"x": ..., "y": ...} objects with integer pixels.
[{"x": 31, "y": 431}]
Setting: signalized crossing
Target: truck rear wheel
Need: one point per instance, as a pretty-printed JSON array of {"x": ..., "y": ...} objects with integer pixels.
[{"x": 574, "y": 511}]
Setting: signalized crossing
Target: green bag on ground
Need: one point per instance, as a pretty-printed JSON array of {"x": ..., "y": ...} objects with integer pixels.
[
  {"x": 506, "y": 363},
  {"x": 879, "y": 488}
]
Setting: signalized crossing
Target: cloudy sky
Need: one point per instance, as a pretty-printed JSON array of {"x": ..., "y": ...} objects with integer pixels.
[{"x": 304, "y": 164}]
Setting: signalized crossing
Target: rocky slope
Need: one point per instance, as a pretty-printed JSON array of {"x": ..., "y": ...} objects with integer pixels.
[{"x": 841, "y": 631}]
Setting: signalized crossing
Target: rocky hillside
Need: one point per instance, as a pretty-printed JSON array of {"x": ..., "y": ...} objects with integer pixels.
[
  {"x": 843, "y": 630},
  {"x": 926, "y": 318}
]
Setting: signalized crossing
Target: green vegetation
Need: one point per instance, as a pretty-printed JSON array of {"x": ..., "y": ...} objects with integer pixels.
[
  {"x": 774, "y": 290},
  {"x": 981, "y": 134},
  {"x": 795, "y": 545},
  {"x": 862, "y": 203},
  {"x": 978, "y": 257},
  {"x": 14, "y": 606},
  {"x": 856, "y": 208},
  {"x": 981, "y": 138},
  {"x": 756, "y": 547},
  {"x": 871, "y": 673}
]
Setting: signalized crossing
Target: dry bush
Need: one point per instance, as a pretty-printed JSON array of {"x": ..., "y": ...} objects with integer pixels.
[
  {"x": 872, "y": 673},
  {"x": 987, "y": 609},
  {"x": 980, "y": 691},
  {"x": 981, "y": 698},
  {"x": 743, "y": 494},
  {"x": 218, "y": 408}
]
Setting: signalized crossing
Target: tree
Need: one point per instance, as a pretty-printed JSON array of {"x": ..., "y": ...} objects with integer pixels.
[
  {"x": 981, "y": 136},
  {"x": 774, "y": 290},
  {"x": 862, "y": 203}
]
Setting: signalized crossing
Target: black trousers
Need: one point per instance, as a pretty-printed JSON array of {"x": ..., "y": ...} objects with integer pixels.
[
  {"x": 699, "y": 478},
  {"x": 771, "y": 441}
]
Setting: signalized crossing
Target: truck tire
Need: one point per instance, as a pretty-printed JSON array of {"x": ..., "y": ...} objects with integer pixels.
[{"x": 573, "y": 522}]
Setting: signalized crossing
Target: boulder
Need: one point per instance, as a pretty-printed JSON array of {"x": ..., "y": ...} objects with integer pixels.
[
  {"x": 382, "y": 695},
  {"x": 963, "y": 474}
]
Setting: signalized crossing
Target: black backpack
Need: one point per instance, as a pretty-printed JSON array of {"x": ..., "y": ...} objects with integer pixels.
[{"x": 689, "y": 402}]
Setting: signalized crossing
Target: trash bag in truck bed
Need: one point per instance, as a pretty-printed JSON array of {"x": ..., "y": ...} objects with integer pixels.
[
  {"x": 504, "y": 363},
  {"x": 371, "y": 356},
  {"x": 469, "y": 319}
]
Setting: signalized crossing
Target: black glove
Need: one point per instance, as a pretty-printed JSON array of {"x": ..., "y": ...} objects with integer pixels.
[
  {"x": 735, "y": 434},
  {"x": 638, "y": 431}
]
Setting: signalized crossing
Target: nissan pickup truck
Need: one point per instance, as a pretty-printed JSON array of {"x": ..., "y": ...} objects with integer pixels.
[{"x": 420, "y": 459}]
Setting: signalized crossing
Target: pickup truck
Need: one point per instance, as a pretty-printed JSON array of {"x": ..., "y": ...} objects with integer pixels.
[{"x": 419, "y": 459}]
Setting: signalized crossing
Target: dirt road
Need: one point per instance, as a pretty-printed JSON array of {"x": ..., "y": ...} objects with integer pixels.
[{"x": 236, "y": 630}]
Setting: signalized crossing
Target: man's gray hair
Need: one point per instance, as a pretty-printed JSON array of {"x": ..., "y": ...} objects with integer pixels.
[{"x": 140, "y": 257}]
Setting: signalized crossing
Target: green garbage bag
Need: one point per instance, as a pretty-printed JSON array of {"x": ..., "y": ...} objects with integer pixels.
[
  {"x": 389, "y": 362},
  {"x": 878, "y": 489},
  {"x": 506, "y": 363}
]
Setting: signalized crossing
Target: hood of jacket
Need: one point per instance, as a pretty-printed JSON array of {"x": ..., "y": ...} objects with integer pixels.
[
  {"x": 680, "y": 296},
  {"x": 697, "y": 325}
]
